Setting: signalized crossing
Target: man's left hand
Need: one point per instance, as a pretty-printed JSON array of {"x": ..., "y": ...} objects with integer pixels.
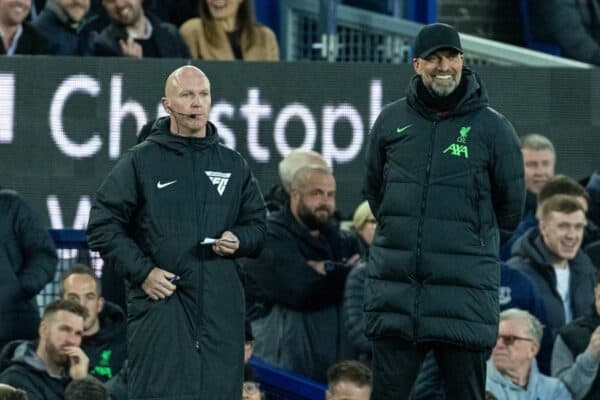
[
  {"x": 78, "y": 361},
  {"x": 227, "y": 244}
]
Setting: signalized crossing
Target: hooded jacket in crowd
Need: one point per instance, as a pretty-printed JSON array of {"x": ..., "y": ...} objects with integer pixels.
[
  {"x": 303, "y": 328},
  {"x": 21, "y": 368},
  {"x": 532, "y": 257}
]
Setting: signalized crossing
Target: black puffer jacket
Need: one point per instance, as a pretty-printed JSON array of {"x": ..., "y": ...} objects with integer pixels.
[
  {"x": 155, "y": 207},
  {"x": 440, "y": 185},
  {"x": 107, "y": 349},
  {"x": 27, "y": 263},
  {"x": 22, "y": 369}
]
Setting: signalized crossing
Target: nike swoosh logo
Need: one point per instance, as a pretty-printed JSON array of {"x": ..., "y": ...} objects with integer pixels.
[
  {"x": 164, "y": 185},
  {"x": 400, "y": 130}
]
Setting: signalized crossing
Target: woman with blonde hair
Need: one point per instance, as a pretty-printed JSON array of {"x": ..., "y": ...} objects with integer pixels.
[{"x": 227, "y": 30}]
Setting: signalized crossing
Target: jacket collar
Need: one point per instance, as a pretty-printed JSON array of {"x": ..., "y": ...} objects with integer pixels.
[{"x": 474, "y": 97}]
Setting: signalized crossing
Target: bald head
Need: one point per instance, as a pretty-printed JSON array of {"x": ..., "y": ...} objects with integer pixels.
[
  {"x": 187, "y": 100},
  {"x": 179, "y": 75}
]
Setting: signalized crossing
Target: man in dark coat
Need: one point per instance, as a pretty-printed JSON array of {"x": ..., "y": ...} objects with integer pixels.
[
  {"x": 134, "y": 33},
  {"x": 551, "y": 257},
  {"x": 18, "y": 36},
  {"x": 299, "y": 279},
  {"x": 27, "y": 263},
  {"x": 44, "y": 367},
  {"x": 60, "y": 22},
  {"x": 171, "y": 217},
  {"x": 576, "y": 354},
  {"x": 444, "y": 175},
  {"x": 104, "y": 331}
]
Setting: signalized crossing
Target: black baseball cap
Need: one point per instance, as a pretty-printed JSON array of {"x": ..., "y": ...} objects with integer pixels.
[{"x": 434, "y": 37}]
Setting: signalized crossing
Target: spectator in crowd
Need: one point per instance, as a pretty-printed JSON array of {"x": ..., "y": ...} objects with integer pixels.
[
  {"x": 348, "y": 380},
  {"x": 175, "y": 12},
  {"x": 363, "y": 224},
  {"x": 172, "y": 217},
  {"x": 363, "y": 227},
  {"x": 60, "y": 22},
  {"x": 300, "y": 277},
  {"x": 228, "y": 31},
  {"x": 576, "y": 354},
  {"x": 512, "y": 372},
  {"x": 539, "y": 159},
  {"x": 44, "y": 368},
  {"x": 551, "y": 257},
  {"x": 8, "y": 392},
  {"x": 573, "y": 24},
  {"x": 278, "y": 197},
  {"x": 104, "y": 330},
  {"x": 433, "y": 275},
  {"x": 134, "y": 33},
  {"x": 18, "y": 36},
  {"x": 27, "y": 263},
  {"x": 558, "y": 184},
  {"x": 86, "y": 389}
]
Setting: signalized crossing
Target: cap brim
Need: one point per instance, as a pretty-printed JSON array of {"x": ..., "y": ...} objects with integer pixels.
[{"x": 432, "y": 50}]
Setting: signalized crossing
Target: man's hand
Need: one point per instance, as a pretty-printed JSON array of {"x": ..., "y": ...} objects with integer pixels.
[
  {"x": 131, "y": 48},
  {"x": 227, "y": 244},
  {"x": 157, "y": 284},
  {"x": 318, "y": 266},
  {"x": 78, "y": 362},
  {"x": 594, "y": 346},
  {"x": 352, "y": 261}
]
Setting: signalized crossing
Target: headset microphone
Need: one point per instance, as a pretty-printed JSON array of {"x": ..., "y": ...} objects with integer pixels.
[{"x": 177, "y": 112}]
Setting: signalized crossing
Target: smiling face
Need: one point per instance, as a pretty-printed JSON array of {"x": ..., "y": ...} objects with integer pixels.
[
  {"x": 563, "y": 233},
  {"x": 14, "y": 12},
  {"x": 223, "y": 9},
  {"x": 124, "y": 12},
  {"x": 441, "y": 71}
]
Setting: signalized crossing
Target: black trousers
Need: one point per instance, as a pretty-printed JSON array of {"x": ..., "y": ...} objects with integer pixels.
[{"x": 397, "y": 362}]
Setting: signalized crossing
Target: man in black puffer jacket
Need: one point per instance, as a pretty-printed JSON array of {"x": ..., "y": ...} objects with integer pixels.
[
  {"x": 444, "y": 174},
  {"x": 171, "y": 217}
]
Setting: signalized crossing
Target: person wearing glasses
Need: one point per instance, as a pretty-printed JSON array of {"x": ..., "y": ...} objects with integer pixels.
[{"x": 512, "y": 371}]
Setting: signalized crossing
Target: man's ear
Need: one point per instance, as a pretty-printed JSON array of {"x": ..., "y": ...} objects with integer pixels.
[
  {"x": 100, "y": 304},
  {"x": 166, "y": 105},
  {"x": 43, "y": 329}
]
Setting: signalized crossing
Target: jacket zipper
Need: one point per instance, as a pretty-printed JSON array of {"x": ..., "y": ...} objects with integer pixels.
[
  {"x": 477, "y": 211},
  {"x": 199, "y": 214},
  {"x": 420, "y": 227}
]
